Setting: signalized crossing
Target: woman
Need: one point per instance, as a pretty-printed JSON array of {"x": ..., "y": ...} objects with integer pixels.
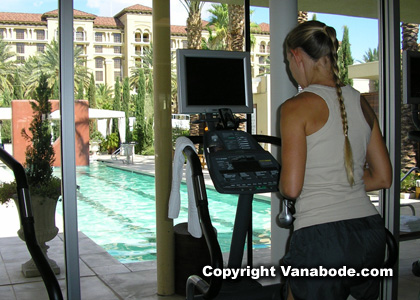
[{"x": 332, "y": 154}]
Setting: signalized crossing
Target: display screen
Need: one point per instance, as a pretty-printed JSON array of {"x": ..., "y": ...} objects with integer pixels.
[
  {"x": 215, "y": 81},
  {"x": 212, "y": 80}
]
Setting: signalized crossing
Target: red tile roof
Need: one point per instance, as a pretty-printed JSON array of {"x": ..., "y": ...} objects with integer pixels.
[
  {"x": 135, "y": 9},
  {"x": 108, "y": 22},
  {"x": 78, "y": 14},
  {"x": 23, "y": 18}
]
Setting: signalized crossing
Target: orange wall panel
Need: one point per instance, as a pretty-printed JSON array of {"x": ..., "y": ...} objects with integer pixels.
[{"x": 22, "y": 117}]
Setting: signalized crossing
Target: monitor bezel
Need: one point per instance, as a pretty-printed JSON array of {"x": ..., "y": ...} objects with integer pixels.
[
  {"x": 407, "y": 80},
  {"x": 184, "y": 108}
]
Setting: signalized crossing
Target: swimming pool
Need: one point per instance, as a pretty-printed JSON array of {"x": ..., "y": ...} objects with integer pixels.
[{"x": 116, "y": 209}]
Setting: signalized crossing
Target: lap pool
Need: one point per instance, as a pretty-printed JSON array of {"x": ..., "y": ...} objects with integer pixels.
[{"x": 116, "y": 209}]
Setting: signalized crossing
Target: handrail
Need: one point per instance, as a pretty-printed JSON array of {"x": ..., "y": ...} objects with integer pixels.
[
  {"x": 27, "y": 221},
  {"x": 209, "y": 290},
  {"x": 115, "y": 153}
]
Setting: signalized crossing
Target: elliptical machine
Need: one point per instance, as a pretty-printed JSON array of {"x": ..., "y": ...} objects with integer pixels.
[
  {"x": 239, "y": 165},
  {"x": 27, "y": 221}
]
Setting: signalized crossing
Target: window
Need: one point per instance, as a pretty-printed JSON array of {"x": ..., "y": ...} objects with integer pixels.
[
  {"x": 40, "y": 35},
  {"x": 98, "y": 36},
  {"x": 20, "y": 34},
  {"x": 117, "y": 49},
  {"x": 117, "y": 74},
  {"x": 137, "y": 37},
  {"x": 2, "y": 33},
  {"x": 268, "y": 48},
  {"x": 98, "y": 49},
  {"x": 20, "y": 48},
  {"x": 82, "y": 48},
  {"x": 117, "y": 37},
  {"x": 117, "y": 63},
  {"x": 146, "y": 37},
  {"x": 20, "y": 59},
  {"x": 184, "y": 44},
  {"x": 80, "y": 35},
  {"x": 262, "y": 48},
  {"x": 99, "y": 75},
  {"x": 40, "y": 48},
  {"x": 99, "y": 63}
]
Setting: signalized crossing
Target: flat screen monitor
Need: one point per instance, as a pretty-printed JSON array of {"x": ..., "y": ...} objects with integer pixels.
[
  {"x": 209, "y": 80},
  {"x": 411, "y": 77}
]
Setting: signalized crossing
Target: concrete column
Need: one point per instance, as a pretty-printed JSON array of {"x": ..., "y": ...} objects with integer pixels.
[
  {"x": 163, "y": 146},
  {"x": 109, "y": 72},
  {"x": 283, "y": 17}
]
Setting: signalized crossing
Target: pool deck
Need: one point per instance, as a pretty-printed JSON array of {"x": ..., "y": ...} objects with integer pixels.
[{"x": 103, "y": 277}]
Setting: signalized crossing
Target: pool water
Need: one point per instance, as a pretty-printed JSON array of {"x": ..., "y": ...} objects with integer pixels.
[{"x": 116, "y": 209}]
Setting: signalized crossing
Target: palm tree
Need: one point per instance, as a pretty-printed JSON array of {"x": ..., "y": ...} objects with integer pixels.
[
  {"x": 236, "y": 27},
  {"x": 219, "y": 25},
  {"x": 194, "y": 25},
  {"x": 410, "y": 33},
  {"x": 5, "y": 66},
  {"x": 104, "y": 96},
  {"x": 48, "y": 63}
]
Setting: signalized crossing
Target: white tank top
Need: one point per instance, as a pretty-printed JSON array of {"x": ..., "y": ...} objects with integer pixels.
[{"x": 327, "y": 195}]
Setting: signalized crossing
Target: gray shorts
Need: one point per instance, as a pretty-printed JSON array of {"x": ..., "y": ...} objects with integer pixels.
[{"x": 356, "y": 243}]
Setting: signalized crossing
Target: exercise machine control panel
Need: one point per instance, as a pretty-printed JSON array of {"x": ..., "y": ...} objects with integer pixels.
[{"x": 238, "y": 164}]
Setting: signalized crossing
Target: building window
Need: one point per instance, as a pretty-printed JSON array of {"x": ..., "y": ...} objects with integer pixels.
[
  {"x": 262, "y": 48},
  {"x": 98, "y": 37},
  {"x": 268, "y": 48},
  {"x": 117, "y": 74},
  {"x": 117, "y": 37},
  {"x": 40, "y": 35},
  {"x": 40, "y": 48},
  {"x": 80, "y": 35},
  {"x": 99, "y": 63},
  {"x": 2, "y": 32},
  {"x": 99, "y": 75},
  {"x": 20, "y": 48},
  {"x": 98, "y": 49},
  {"x": 20, "y": 59},
  {"x": 117, "y": 49},
  {"x": 20, "y": 34},
  {"x": 184, "y": 44},
  {"x": 82, "y": 48},
  {"x": 146, "y": 37},
  {"x": 137, "y": 37},
  {"x": 137, "y": 50},
  {"x": 117, "y": 63}
]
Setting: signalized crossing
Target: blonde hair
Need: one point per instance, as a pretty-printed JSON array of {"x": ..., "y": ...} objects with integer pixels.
[{"x": 319, "y": 40}]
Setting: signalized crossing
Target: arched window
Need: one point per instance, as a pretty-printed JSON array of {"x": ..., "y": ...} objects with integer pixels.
[
  {"x": 268, "y": 47},
  {"x": 146, "y": 37},
  {"x": 137, "y": 37},
  {"x": 262, "y": 47},
  {"x": 80, "y": 34}
]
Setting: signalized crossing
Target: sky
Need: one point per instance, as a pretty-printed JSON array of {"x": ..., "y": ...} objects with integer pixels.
[{"x": 363, "y": 33}]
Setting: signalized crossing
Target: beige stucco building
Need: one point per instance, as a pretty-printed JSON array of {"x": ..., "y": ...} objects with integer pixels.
[{"x": 111, "y": 45}]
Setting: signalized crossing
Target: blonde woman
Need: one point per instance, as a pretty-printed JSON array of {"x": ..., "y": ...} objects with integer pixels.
[{"x": 332, "y": 154}]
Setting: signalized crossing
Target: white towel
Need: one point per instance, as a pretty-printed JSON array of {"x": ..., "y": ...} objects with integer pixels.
[{"x": 194, "y": 227}]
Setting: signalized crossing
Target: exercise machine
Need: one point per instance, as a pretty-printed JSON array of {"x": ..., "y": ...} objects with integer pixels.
[
  {"x": 237, "y": 164},
  {"x": 27, "y": 222}
]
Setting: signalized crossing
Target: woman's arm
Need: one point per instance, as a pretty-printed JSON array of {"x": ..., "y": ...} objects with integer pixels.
[
  {"x": 378, "y": 173},
  {"x": 293, "y": 149}
]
